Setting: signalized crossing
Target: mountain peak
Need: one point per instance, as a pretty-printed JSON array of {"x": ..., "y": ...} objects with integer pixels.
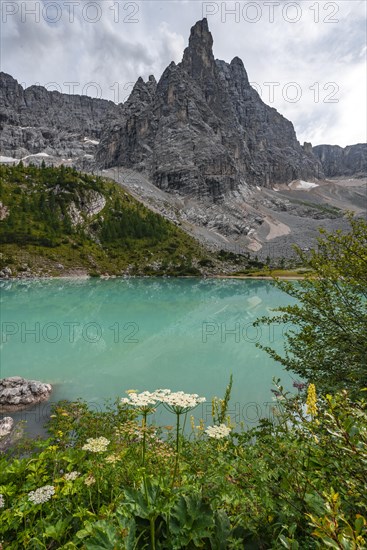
[
  {"x": 198, "y": 58},
  {"x": 200, "y": 28}
]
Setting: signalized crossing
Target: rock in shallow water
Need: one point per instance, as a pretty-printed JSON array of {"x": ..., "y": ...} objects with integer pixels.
[
  {"x": 17, "y": 393},
  {"x": 6, "y": 426},
  {"x": 10, "y": 433}
]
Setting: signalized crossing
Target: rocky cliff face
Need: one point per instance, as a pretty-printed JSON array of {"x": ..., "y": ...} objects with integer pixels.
[
  {"x": 203, "y": 130},
  {"x": 199, "y": 146},
  {"x": 336, "y": 161},
  {"x": 35, "y": 120}
]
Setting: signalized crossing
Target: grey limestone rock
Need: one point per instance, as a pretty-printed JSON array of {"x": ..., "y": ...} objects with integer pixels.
[
  {"x": 17, "y": 393},
  {"x": 203, "y": 130},
  {"x": 6, "y": 273},
  {"x": 339, "y": 161},
  {"x": 199, "y": 146},
  {"x": 35, "y": 120}
]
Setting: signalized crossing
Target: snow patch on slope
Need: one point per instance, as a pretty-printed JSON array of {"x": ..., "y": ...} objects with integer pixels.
[
  {"x": 92, "y": 141},
  {"x": 303, "y": 185}
]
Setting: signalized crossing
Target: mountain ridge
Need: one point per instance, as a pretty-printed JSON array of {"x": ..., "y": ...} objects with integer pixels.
[
  {"x": 342, "y": 161},
  {"x": 217, "y": 132},
  {"x": 199, "y": 146},
  {"x": 30, "y": 120}
]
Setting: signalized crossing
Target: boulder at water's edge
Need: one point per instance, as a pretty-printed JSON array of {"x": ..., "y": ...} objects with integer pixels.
[{"x": 17, "y": 393}]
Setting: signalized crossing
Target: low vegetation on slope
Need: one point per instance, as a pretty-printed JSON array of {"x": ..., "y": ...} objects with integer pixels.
[
  {"x": 109, "y": 480},
  {"x": 56, "y": 220}
]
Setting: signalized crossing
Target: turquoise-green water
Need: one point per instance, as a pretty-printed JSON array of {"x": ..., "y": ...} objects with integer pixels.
[{"x": 97, "y": 338}]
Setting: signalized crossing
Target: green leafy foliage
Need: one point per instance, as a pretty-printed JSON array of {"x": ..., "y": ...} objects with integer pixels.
[
  {"x": 191, "y": 520},
  {"x": 325, "y": 331}
]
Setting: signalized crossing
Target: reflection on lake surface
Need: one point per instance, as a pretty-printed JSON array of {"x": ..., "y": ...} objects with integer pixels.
[{"x": 97, "y": 338}]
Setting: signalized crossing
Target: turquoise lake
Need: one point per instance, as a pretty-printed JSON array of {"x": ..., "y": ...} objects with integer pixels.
[{"x": 96, "y": 339}]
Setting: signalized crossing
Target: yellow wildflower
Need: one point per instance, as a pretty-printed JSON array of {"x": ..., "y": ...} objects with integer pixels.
[
  {"x": 214, "y": 406},
  {"x": 311, "y": 400},
  {"x": 192, "y": 422},
  {"x": 201, "y": 426}
]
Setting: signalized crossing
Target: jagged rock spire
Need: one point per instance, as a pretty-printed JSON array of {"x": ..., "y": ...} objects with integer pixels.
[
  {"x": 198, "y": 58},
  {"x": 205, "y": 130}
]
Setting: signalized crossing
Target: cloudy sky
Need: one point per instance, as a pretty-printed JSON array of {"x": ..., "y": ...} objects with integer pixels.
[{"x": 306, "y": 58}]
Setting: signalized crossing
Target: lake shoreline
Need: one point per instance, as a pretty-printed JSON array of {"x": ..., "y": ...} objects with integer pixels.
[{"x": 163, "y": 277}]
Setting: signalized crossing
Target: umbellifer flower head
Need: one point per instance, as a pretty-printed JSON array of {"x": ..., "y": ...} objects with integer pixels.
[
  {"x": 112, "y": 459},
  {"x": 218, "y": 432},
  {"x": 179, "y": 402},
  {"x": 89, "y": 480},
  {"x": 71, "y": 476},
  {"x": 41, "y": 495},
  {"x": 96, "y": 445},
  {"x": 145, "y": 401}
]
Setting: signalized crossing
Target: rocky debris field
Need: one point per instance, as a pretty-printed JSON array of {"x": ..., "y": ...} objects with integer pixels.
[{"x": 266, "y": 222}]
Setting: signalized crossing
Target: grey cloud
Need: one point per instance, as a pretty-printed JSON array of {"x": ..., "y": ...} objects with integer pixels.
[{"x": 109, "y": 52}]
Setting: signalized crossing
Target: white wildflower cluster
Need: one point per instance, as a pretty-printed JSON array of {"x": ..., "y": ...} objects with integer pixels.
[
  {"x": 161, "y": 394},
  {"x": 145, "y": 400},
  {"x": 89, "y": 480},
  {"x": 180, "y": 402},
  {"x": 71, "y": 476},
  {"x": 96, "y": 445},
  {"x": 2, "y": 501},
  {"x": 218, "y": 432},
  {"x": 177, "y": 402},
  {"x": 41, "y": 495},
  {"x": 112, "y": 459}
]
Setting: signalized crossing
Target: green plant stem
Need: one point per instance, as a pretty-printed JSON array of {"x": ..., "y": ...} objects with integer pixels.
[
  {"x": 177, "y": 447},
  {"x": 177, "y": 434},
  {"x": 184, "y": 424},
  {"x": 90, "y": 500},
  {"x": 98, "y": 493},
  {"x": 152, "y": 533},
  {"x": 144, "y": 425}
]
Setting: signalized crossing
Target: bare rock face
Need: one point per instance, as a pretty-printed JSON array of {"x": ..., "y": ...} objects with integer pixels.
[
  {"x": 203, "y": 130},
  {"x": 339, "y": 161},
  {"x": 17, "y": 393},
  {"x": 35, "y": 120}
]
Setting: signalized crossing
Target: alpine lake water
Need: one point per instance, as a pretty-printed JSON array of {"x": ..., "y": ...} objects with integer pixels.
[{"x": 95, "y": 339}]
